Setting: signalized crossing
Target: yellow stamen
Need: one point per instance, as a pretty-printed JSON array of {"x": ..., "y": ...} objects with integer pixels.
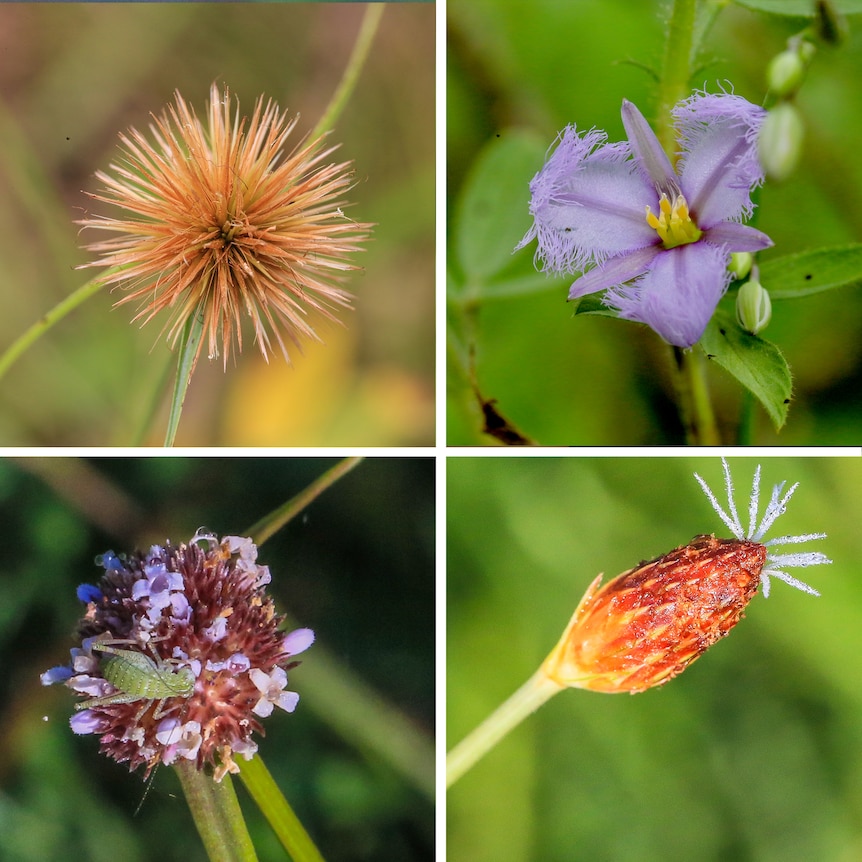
[{"x": 674, "y": 224}]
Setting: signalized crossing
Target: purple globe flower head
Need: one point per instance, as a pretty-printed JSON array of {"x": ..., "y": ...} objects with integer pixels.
[{"x": 659, "y": 239}]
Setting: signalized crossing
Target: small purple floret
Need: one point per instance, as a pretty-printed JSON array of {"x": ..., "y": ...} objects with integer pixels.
[
  {"x": 589, "y": 208},
  {"x": 88, "y": 593},
  {"x": 297, "y": 641}
]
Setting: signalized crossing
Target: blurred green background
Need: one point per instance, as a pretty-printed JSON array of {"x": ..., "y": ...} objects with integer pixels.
[
  {"x": 753, "y": 754},
  {"x": 530, "y": 69},
  {"x": 357, "y": 566},
  {"x": 73, "y": 77}
]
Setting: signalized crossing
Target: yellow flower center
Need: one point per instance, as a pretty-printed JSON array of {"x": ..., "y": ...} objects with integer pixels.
[{"x": 673, "y": 224}]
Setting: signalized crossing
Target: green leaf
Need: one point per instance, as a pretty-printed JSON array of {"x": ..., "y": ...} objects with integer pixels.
[
  {"x": 799, "y": 8},
  {"x": 758, "y": 365},
  {"x": 592, "y": 304},
  {"x": 188, "y": 353},
  {"x": 492, "y": 213},
  {"x": 812, "y": 271},
  {"x": 269, "y": 798}
]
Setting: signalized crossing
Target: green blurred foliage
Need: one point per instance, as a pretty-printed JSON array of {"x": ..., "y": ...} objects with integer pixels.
[
  {"x": 76, "y": 75},
  {"x": 753, "y": 753},
  {"x": 522, "y": 72},
  {"x": 357, "y": 566}
]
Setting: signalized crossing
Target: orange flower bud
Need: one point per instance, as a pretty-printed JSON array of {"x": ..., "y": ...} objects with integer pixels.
[{"x": 648, "y": 624}]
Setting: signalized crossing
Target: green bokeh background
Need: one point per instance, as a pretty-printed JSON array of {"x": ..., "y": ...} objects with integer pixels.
[
  {"x": 753, "y": 754},
  {"x": 357, "y": 566},
  {"x": 532, "y": 69},
  {"x": 76, "y": 75}
]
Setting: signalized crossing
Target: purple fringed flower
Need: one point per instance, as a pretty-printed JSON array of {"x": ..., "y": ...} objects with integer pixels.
[{"x": 659, "y": 239}]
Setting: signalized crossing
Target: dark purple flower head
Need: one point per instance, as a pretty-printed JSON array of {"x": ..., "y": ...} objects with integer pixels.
[
  {"x": 658, "y": 238},
  {"x": 181, "y": 654}
]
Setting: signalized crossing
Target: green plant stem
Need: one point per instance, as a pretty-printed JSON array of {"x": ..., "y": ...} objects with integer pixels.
[
  {"x": 538, "y": 689},
  {"x": 217, "y": 815},
  {"x": 269, "y": 798},
  {"x": 41, "y": 326},
  {"x": 676, "y": 69},
  {"x": 370, "y": 22},
  {"x": 275, "y": 520},
  {"x": 695, "y": 407}
]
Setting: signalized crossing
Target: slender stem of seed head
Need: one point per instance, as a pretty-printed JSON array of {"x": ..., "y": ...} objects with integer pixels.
[
  {"x": 275, "y": 520},
  {"x": 373, "y": 11},
  {"x": 538, "y": 689},
  {"x": 47, "y": 321},
  {"x": 217, "y": 815}
]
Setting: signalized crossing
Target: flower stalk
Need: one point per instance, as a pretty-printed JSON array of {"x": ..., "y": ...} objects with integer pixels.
[
  {"x": 536, "y": 691},
  {"x": 676, "y": 68},
  {"x": 364, "y": 40},
  {"x": 217, "y": 815}
]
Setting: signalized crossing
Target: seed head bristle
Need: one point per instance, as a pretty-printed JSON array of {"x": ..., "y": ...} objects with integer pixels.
[{"x": 776, "y": 507}]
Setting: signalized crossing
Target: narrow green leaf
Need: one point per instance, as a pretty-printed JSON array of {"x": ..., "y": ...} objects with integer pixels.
[
  {"x": 812, "y": 271},
  {"x": 492, "y": 213},
  {"x": 192, "y": 334},
  {"x": 758, "y": 365},
  {"x": 799, "y": 8},
  {"x": 286, "y": 825}
]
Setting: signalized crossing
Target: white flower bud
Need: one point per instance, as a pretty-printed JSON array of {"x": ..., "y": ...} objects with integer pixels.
[
  {"x": 785, "y": 73},
  {"x": 740, "y": 263},
  {"x": 753, "y": 306},
  {"x": 779, "y": 145}
]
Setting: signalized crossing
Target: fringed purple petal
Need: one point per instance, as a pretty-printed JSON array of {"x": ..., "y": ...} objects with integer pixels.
[
  {"x": 648, "y": 152},
  {"x": 679, "y": 293},
  {"x": 615, "y": 271},
  {"x": 718, "y": 166},
  {"x": 588, "y": 204},
  {"x": 737, "y": 237}
]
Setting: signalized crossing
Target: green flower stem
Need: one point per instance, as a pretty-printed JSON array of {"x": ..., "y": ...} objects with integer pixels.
[
  {"x": 275, "y": 520},
  {"x": 188, "y": 353},
  {"x": 693, "y": 400},
  {"x": 525, "y": 701},
  {"x": 217, "y": 815},
  {"x": 54, "y": 316},
  {"x": 373, "y": 12},
  {"x": 676, "y": 69},
  {"x": 265, "y": 792}
]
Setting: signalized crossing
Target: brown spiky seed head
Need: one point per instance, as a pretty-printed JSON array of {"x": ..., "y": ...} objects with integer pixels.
[
  {"x": 648, "y": 624},
  {"x": 219, "y": 218}
]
